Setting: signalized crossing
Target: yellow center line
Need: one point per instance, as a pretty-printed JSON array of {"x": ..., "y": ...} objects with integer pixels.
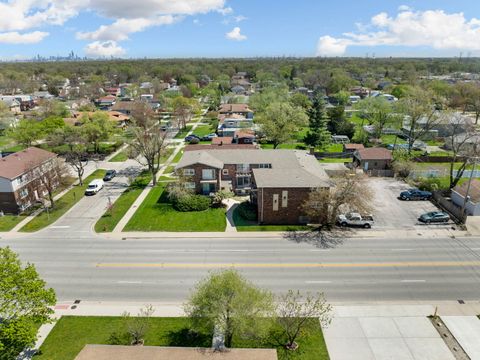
[{"x": 289, "y": 265}]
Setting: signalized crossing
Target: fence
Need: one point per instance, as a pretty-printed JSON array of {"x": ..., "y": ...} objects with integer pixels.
[
  {"x": 446, "y": 204},
  {"x": 380, "y": 173},
  {"x": 433, "y": 173},
  {"x": 437, "y": 159}
]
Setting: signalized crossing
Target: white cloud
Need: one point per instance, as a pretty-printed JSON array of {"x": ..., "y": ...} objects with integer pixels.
[
  {"x": 121, "y": 28},
  {"x": 235, "y": 34},
  {"x": 99, "y": 49},
  {"x": 432, "y": 28},
  {"x": 404, "y": 8},
  {"x": 15, "y": 37},
  {"x": 225, "y": 11},
  {"x": 240, "y": 18}
]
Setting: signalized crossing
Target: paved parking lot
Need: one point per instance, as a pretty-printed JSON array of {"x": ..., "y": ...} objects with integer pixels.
[{"x": 392, "y": 213}]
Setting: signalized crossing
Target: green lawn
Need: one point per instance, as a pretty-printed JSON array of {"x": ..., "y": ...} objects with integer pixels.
[
  {"x": 112, "y": 216},
  {"x": 183, "y": 132},
  {"x": 291, "y": 146},
  {"x": 203, "y": 130},
  {"x": 8, "y": 222},
  {"x": 157, "y": 214},
  {"x": 177, "y": 157},
  {"x": 390, "y": 139},
  {"x": 244, "y": 225},
  {"x": 334, "y": 148},
  {"x": 62, "y": 205},
  {"x": 120, "y": 157},
  {"x": 72, "y": 333},
  {"x": 311, "y": 343},
  {"x": 169, "y": 169}
]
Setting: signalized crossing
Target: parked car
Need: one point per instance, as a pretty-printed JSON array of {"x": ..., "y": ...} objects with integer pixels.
[
  {"x": 209, "y": 137},
  {"x": 191, "y": 137},
  {"x": 419, "y": 145},
  {"x": 94, "y": 187},
  {"x": 355, "y": 219},
  {"x": 109, "y": 175},
  {"x": 397, "y": 146},
  {"x": 415, "y": 194},
  {"x": 434, "y": 216}
]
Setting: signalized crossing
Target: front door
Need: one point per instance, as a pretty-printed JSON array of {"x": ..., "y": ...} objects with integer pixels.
[{"x": 365, "y": 166}]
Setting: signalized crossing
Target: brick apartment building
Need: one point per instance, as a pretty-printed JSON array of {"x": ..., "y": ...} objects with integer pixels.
[
  {"x": 20, "y": 173},
  {"x": 278, "y": 181}
]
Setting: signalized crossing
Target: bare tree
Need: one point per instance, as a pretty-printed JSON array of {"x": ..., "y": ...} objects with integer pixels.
[
  {"x": 137, "y": 326},
  {"x": 463, "y": 142},
  {"x": 46, "y": 177},
  {"x": 294, "y": 311},
  {"x": 420, "y": 114},
  {"x": 350, "y": 193},
  {"x": 148, "y": 141}
]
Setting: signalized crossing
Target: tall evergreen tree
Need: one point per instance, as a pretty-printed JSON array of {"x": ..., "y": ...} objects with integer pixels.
[{"x": 318, "y": 134}]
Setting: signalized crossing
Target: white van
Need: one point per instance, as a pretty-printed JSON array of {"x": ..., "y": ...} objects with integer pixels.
[{"x": 94, "y": 187}]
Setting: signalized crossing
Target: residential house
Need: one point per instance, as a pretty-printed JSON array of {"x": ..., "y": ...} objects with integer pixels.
[
  {"x": 278, "y": 181},
  {"x": 442, "y": 125},
  {"x": 375, "y": 158},
  {"x": 19, "y": 174},
  {"x": 351, "y": 148},
  {"x": 244, "y": 137},
  {"x": 241, "y": 79},
  {"x": 239, "y": 109},
  {"x": 43, "y": 95},
  {"x": 120, "y": 119},
  {"x": 125, "y": 107},
  {"x": 225, "y": 140},
  {"x": 114, "y": 91},
  {"x": 13, "y": 105},
  {"x": 230, "y": 124},
  {"x": 27, "y": 102},
  {"x": 106, "y": 102},
  {"x": 220, "y": 146},
  {"x": 472, "y": 205}
]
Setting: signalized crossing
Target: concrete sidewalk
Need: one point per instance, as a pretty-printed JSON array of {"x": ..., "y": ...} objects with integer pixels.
[{"x": 466, "y": 329}]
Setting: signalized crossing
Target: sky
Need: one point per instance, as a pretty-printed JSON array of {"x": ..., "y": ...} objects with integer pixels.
[{"x": 238, "y": 28}]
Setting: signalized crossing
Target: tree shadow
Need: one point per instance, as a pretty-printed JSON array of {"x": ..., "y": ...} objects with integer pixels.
[
  {"x": 319, "y": 238},
  {"x": 188, "y": 338}
]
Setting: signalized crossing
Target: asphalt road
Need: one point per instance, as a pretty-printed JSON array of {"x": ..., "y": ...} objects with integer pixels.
[{"x": 81, "y": 265}]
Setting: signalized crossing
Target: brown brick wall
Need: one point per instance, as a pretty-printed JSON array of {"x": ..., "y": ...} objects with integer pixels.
[
  {"x": 8, "y": 203},
  {"x": 198, "y": 176},
  {"x": 288, "y": 215}
]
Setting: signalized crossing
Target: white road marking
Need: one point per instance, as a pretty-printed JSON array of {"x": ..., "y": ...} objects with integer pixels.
[
  {"x": 413, "y": 281},
  {"x": 318, "y": 282},
  {"x": 60, "y": 227},
  {"x": 402, "y": 249},
  {"x": 475, "y": 249},
  {"x": 129, "y": 282}
]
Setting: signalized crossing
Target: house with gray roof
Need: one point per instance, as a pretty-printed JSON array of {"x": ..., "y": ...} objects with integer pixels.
[{"x": 278, "y": 181}]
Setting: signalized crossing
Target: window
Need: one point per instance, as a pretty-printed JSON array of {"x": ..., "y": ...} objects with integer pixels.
[
  {"x": 265, "y": 166},
  {"x": 243, "y": 181},
  {"x": 225, "y": 172},
  {"x": 208, "y": 174},
  {"x": 190, "y": 185},
  {"x": 188, "y": 172},
  {"x": 243, "y": 168},
  {"x": 23, "y": 193},
  {"x": 284, "y": 199}
]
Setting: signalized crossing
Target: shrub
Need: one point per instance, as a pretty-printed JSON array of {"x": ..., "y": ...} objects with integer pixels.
[
  {"x": 192, "y": 203},
  {"x": 194, "y": 141},
  {"x": 430, "y": 184},
  {"x": 247, "y": 211},
  {"x": 403, "y": 168},
  {"x": 219, "y": 196}
]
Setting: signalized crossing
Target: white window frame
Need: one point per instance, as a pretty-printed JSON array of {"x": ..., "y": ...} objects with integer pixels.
[
  {"x": 190, "y": 185},
  {"x": 209, "y": 171},
  {"x": 225, "y": 172},
  {"x": 189, "y": 172}
]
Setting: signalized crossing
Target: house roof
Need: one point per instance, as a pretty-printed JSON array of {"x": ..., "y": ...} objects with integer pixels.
[
  {"x": 222, "y": 140},
  {"x": 121, "y": 352},
  {"x": 353, "y": 146},
  {"x": 124, "y": 105},
  {"x": 473, "y": 192},
  {"x": 226, "y": 108},
  {"x": 244, "y": 134},
  {"x": 375, "y": 153},
  {"x": 296, "y": 168},
  {"x": 14, "y": 165},
  {"x": 215, "y": 147}
]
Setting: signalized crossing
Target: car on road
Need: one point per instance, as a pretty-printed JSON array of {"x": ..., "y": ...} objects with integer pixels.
[
  {"x": 191, "y": 137},
  {"x": 209, "y": 137},
  {"x": 109, "y": 175},
  {"x": 415, "y": 194},
  {"x": 94, "y": 187},
  {"x": 434, "y": 216},
  {"x": 355, "y": 219}
]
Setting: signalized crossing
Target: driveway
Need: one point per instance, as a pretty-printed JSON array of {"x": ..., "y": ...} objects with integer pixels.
[
  {"x": 83, "y": 215},
  {"x": 391, "y": 213},
  {"x": 384, "y": 332}
]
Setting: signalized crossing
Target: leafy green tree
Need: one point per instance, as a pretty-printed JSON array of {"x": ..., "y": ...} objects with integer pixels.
[
  {"x": 280, "y": 121},
  {"x": 378, "y": 112},
  {"x": 318, "y": 134},
  {"x": 97, "y": 128},
  {"x": 26, "y": 132},
  {"x": 183, "y": 109},
  {"x": 300, "y": 100},
  {"x": 51, "y": 123},
  {"x": 338, "y": 124},
  {"x": 260, "y": 101},
  {"x": 232, "y": 304},
  {"x": 24, "y": 302}
]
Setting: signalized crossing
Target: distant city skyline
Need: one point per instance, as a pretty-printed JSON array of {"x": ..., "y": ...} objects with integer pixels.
[{"x": 237, "y": 28}]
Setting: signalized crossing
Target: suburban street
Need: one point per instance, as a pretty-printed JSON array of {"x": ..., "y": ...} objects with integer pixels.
[{"x": 82, "y": 265}]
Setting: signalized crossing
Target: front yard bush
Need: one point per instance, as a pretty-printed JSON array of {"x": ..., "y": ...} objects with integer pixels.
[
  {"x": 247, "y": 211},
  {"x": 192, "y": 203}
]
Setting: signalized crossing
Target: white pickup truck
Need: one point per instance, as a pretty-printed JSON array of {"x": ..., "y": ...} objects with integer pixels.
[{"x": 355, "y": 219}]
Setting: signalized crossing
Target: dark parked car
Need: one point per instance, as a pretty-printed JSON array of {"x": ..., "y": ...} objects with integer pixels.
[
  {"x": 109, "y": 175},
  {"x": 191, "y": 137},
  {"x": 415, "y": 194},
  {"x": 434, "y": 216},
  {"x": 209, "y": 137}
]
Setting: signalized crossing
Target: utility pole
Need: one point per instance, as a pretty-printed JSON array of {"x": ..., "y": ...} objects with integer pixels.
[{"x": 467, "y": 196}]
